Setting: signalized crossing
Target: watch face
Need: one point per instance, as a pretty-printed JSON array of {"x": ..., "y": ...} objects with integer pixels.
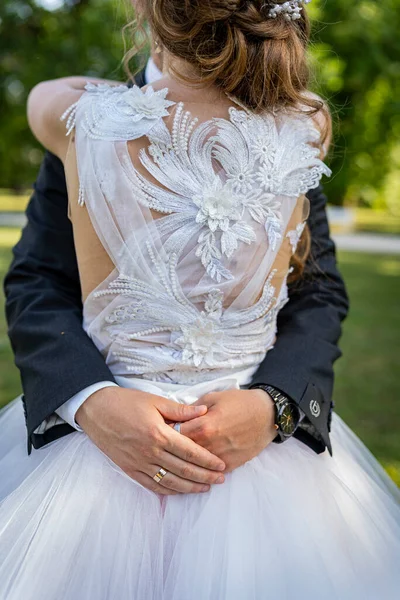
[{"x": 288, "y": 419}]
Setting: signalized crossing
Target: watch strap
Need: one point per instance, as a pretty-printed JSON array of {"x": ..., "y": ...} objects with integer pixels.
[
  {"x": 276, "y": 395},
  {"x": 278, "y": 399},
  {"x": 316, "y": 410}
]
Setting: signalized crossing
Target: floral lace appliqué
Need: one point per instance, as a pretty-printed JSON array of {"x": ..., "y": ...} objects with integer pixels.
[
  {"x": 146, "y": 105},
  {"x": 221, "y": 178},
  {"x": 208, "y": 338},
  {"x": 226, "y": 203},
  {"x": 183, "y": 303},
  {"x": 294, "y": 235},
  {"x": 205, "y": 335},
  {"x": 117, "y": 112}
]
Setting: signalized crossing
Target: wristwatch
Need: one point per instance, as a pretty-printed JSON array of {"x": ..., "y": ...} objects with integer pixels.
[{"x": 287, "y": 413}]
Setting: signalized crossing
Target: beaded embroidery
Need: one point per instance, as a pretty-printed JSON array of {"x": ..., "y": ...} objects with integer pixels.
[
  {"x": 221, "y": 186},
  {"x": 113, "y": 112},
  {"x": 255, "y": 174},
  {"x": 294, "y": 235},
  {"x": 209, "y": 338}
]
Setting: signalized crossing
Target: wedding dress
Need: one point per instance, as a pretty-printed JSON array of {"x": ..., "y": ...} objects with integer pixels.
[{"x": 199, "y": 219}]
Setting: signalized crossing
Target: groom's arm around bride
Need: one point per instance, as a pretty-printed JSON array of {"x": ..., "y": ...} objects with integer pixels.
[{"x": 58, "y": 361}]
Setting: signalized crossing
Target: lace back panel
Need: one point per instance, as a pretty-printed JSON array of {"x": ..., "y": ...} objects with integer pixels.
[{"x": 196, "y": 221}]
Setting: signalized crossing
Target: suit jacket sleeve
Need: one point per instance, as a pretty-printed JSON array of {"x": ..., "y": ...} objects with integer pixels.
[
  {"x": 55, "y": 357},
  {"x": 309, "y": 328}
]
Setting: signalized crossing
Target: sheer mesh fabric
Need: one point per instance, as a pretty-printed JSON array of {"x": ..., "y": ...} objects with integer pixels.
[{"x": 185, "y": 228}]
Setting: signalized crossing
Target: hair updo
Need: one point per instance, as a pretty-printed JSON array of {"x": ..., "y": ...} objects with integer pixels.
[{"x": 236, "y": 46}]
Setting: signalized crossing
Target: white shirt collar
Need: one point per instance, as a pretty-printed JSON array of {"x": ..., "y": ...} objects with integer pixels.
[{"x": 152, "y": 72}]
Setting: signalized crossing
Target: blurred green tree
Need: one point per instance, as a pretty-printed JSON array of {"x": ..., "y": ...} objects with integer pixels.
[
  {"x": 80, "y": 37},
  {"x": 355, "y": 55}
]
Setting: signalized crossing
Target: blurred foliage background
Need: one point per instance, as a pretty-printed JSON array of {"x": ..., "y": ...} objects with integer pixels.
[
  {"x": 355, "y": 58},
  {"x": 46, "y": 39},
  {"x": 356, "y": 55}
]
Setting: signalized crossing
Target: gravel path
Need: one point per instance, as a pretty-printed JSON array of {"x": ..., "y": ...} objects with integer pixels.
[
  {"x": 368, "y": 242},
  {"x": 353, "y": 242},
  {"x": 9, "y": 219}
]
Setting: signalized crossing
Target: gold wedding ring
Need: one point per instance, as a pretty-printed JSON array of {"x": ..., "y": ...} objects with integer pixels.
[{"x": 158, "y": 476}]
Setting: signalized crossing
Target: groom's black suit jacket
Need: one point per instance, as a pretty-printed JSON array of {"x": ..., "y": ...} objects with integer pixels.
[{"x": 57, "y": 359}]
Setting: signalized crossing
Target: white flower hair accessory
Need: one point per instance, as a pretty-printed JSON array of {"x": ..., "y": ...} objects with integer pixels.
[{"x": 291, "y": 10}]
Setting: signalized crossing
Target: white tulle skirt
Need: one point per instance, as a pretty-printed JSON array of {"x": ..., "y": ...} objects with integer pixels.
[{"x": 289, "y": 524}]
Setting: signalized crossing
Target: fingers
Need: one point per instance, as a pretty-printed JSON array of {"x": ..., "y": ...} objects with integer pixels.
[
  {"x": 197, "y": 427},
  {"x": 184, "y": 448},
  {"x": 173, "y": 483},
  {"x": 173, "y": 411},
  {"x": 208, "y": 399},
  {"x": 170, "y": 484},
  {"x": 188, "y": 471},
  {"x": 153, "y": 486}
]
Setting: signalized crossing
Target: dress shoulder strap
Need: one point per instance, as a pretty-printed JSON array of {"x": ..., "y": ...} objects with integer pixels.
[{"x": 117, "y": 113}]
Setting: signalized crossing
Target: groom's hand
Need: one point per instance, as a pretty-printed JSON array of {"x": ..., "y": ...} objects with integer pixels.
[
  {"x": 238, "y": 425},
  {"x": 129, "y": 427}
]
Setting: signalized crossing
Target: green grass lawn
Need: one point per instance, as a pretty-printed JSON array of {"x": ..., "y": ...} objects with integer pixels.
[
  {"x": 10, "y": 202},
  {"x": 367, "y": 391}
]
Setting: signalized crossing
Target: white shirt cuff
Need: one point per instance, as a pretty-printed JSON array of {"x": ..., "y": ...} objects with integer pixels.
[{"x": 68, "y": 410}]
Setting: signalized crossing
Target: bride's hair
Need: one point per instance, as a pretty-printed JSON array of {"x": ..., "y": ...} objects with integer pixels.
[{"x": 236, "y": 46}]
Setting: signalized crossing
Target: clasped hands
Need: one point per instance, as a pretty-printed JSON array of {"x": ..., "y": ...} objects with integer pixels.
[{"x": 220, "y": 432}]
